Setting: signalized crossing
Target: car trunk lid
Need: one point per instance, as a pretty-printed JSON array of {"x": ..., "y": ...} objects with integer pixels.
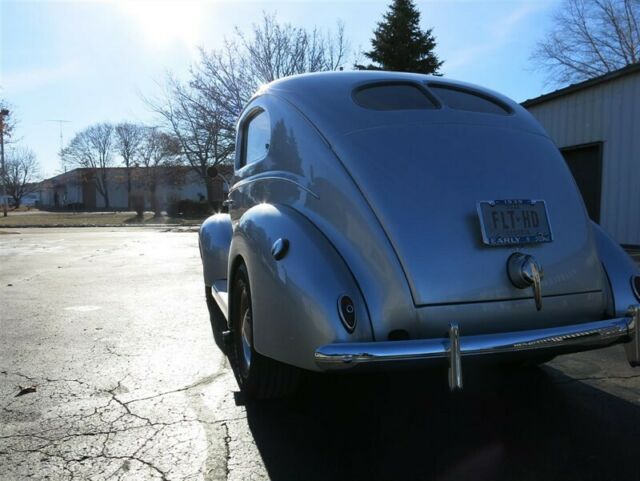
[{"x": 424, "y": 182}]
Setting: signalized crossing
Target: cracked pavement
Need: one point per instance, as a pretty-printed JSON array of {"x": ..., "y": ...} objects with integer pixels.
[
  {"x": 107, "y": 334},
  {"x": 111, "y": 329}
]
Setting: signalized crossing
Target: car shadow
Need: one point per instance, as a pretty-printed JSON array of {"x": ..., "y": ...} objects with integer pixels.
[{"x": 530, "y": 423}]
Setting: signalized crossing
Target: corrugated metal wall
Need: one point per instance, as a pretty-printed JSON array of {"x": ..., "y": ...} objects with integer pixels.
[{"x": 608, "y": 113}]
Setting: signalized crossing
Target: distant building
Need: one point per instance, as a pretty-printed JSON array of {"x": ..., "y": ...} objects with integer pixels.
[
  {"x": 596, "y": 125},
  {"x": 29, "y": 200},
  {"x": 78, "y": 188}
]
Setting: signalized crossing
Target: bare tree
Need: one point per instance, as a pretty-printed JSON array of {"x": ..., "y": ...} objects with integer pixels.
[
  {"x": 157, "y": 152},
  {"x": 7, "y": 123},
  {"x": 93, "y": 148},
  {"x": 201, "y": 113},
  {"x": 230, "y": 75},
  {"x": 7, "y": 126},
  {"x": 203, "y": 131},
  {"x": 590, "y": 38},
  {"x": 20, "y": 174},
  {"x": 129, "y": 136}
]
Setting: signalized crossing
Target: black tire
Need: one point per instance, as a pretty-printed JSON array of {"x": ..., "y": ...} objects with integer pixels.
[
  {"x": 258, "y": 376},
  {"x": 217, "y": 320}
]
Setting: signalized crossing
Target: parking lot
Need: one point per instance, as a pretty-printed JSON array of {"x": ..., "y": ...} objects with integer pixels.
[{"x": 109, "y": 370}]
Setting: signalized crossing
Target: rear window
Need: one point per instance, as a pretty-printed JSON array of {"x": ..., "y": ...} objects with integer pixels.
[
  {"x": 464, "y": 100},
  {"x": 393, "y": 97}
]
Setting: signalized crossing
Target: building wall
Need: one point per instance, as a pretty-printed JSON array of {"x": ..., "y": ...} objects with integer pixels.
[
  {"x": 69, "y": 189},
  {"x": 609, "y": 113}
]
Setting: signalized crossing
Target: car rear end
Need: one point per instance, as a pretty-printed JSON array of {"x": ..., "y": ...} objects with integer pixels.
[{"x": 484, "y": 217}]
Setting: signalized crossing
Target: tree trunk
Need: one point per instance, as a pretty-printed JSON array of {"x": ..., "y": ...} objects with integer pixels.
[
  {"x": 210, "y": 192},
  {"x": 154, "y": 203},
  {"x": 128, "y": 188},
  {"x": 105, "y": 188},
  {"x": 215, "y": 194}
]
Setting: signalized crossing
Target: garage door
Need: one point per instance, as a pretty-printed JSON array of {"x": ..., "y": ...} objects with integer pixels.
[{"x": 585, "y": 163}]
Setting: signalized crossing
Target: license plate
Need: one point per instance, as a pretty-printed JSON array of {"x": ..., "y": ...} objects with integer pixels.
[{"x": 514, "y": 222}]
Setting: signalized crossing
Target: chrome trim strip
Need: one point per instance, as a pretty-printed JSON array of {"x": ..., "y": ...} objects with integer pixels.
[
  {"x": 258, "y": 178},
  {"x": 589, "y": 334}
]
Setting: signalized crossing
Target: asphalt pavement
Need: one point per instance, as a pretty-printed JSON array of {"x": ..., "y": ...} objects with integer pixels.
[{"x": 109, "y": 370}]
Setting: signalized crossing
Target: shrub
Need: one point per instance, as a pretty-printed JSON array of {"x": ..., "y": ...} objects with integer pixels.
[{"x": 188, "y": 208}]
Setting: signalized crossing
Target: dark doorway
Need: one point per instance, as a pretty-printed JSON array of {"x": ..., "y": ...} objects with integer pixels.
[{"x": 585, "y": 163}]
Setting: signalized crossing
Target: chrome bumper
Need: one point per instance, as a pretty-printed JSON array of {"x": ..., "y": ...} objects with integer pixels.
[{"x": 577, "y": 337}]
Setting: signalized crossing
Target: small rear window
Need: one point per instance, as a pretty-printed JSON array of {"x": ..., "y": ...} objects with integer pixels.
[
  {"x": 393, "y": 97},
  {"x": 464, "y": 100}
]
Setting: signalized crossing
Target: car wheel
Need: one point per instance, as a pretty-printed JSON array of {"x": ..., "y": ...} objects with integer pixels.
[
  {"x": 217, "y": 319},
  {"x": 258, "y": 376}
]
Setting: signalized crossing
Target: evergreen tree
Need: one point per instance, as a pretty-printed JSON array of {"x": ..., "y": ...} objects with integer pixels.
[{"x": 400, "y": 45}]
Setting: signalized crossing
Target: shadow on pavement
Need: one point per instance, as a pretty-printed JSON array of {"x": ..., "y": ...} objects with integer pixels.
[{"x": 507, "y": 424}]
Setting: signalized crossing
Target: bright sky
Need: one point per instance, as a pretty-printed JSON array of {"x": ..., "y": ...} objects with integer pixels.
[{"x": 88, "y": 61}]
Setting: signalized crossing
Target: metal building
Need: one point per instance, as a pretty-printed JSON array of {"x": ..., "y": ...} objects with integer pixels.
[{"x": 596, "y": 125}]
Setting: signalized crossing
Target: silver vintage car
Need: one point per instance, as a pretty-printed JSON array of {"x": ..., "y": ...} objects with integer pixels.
[{"x": 381, "y": 219}]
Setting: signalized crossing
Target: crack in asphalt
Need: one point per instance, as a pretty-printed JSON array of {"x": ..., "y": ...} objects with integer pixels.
[
  {"x": 227, "y": 449},
  {"x": 106, "y": 423},
  {"x": 201, "y": 382}
]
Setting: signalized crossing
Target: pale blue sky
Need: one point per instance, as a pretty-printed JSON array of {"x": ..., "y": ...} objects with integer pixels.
[{"x": 90, "y": 61}]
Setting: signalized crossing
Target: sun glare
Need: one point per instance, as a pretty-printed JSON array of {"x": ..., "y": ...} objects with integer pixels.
[{"x": 166, "y": 22}]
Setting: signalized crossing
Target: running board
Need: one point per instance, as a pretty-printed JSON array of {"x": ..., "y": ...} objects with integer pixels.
[{"x": 219, "y": 292}]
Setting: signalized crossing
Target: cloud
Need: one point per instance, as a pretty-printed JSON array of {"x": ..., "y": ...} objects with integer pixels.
[
  {"x": 34, "y": 78},
  {"x": 499, "y": 33}
]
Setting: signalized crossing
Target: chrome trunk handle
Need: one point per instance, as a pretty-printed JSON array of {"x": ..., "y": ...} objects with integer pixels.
[{"x": 524, "y": 271}]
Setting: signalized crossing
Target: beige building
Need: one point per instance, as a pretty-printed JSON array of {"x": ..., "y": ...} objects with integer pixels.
[
  {"x": 83, "y": 189},
  {"x": 596, "y": 125}
]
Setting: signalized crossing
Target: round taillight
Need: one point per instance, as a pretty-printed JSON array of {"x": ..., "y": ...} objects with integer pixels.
[{"x": 635, "y": 285}]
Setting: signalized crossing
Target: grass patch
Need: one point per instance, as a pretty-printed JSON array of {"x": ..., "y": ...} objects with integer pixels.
[{"x": 63, "y": 219}]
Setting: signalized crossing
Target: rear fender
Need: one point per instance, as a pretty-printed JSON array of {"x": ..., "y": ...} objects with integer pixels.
[
  {"x": 620, "y": 268},
  {"x": 294, "y": 299},
  {"x": 215, "y": 239}
]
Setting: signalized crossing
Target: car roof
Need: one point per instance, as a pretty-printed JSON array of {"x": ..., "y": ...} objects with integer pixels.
[{"x": 326, "y": 99}]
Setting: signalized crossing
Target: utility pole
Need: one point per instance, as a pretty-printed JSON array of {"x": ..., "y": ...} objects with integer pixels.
[{"x": 4, "y": 113}]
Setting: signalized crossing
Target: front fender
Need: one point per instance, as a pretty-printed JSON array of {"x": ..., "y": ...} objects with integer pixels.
[
  {"x": 294, "y": 299},
  {"x": 619, "y": 267}
]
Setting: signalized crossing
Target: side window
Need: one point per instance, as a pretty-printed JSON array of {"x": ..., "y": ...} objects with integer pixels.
[{"x": 256, "y": 138}]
